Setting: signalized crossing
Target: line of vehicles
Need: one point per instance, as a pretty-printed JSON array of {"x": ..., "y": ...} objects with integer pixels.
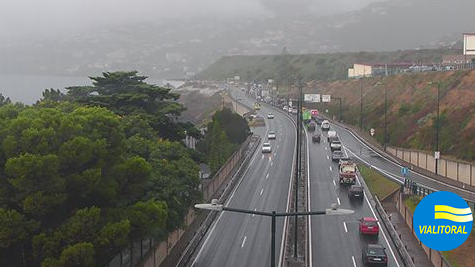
[{"x": 372, "y": 254}]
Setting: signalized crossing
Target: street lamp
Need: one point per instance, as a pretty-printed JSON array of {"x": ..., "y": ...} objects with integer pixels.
[
  {"x": 437, "y": 128},
  {"x": 385, "y": 135},
  {"x": 215, "y": 206}
]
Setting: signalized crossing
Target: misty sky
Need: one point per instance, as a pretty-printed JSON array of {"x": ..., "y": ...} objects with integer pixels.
[{"x": 34, "y": 18}]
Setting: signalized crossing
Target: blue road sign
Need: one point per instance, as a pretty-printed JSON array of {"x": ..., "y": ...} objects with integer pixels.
[{"x": 404, "y": 171}]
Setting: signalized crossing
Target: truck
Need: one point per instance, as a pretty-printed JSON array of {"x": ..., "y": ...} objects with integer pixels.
[
  {"x": 348, "y": 173},
  {"x": 331, "y": 136}
]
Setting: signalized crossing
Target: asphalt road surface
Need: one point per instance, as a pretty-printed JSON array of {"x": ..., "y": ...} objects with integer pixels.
[
  {"x": 335, "y": 240},
  {"x": 356, "y": 149},
  {"x": 242, "y": 239}
]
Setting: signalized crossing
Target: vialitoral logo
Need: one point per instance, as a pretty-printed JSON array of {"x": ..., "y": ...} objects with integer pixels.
[{"x": 443, "y": 220}]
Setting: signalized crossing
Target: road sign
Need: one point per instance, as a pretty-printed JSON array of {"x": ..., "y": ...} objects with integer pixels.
[
  {"x": 404, "y": 171},
  {"x": 371, "y": 131},
  {"x": 315, "y": 98},
  {"x": 326, "y": 98},
  {"x": 437, "y": 154}
]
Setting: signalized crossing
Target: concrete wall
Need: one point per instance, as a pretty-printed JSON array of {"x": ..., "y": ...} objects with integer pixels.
[
  {"x": 455, "y": 170},
  {"x": 435, "y": 256}
]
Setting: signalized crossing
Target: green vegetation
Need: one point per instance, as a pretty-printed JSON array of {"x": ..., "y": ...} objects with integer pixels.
[
  {"x": 84, "y": 174},
  {"x": 412, "y": 202},
  {"x": 377, "y": 184},
  {"x": 322, "y": 67},
  {"x": 224, "y": 133}
]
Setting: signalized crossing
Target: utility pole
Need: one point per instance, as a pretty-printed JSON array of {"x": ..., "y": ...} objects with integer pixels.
[
  {"x": 361, "y": 105},
  {"x": 438, "y": 126},
  {"x": 339, "y": 114},
  {"x": 385, "y": 138}
]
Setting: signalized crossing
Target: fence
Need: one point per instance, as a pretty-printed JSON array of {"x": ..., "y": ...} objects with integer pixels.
[
  {"x": 151, "y": 253},
  {"x": 437, "y": 259},
  {"x": 455, "y": 170}
]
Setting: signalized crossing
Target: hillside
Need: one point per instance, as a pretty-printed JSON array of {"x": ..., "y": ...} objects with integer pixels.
[
  {"x": 412, "y": 107},
  {"x": 325, "y": 67},
  {"x": 184, "y": 46}
]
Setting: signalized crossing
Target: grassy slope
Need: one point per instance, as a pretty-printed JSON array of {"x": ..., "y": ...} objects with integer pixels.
[
  {"x": 412, "y": 106},
  {"x": 325, "y": 67},
  {"x": 377, "y": 184}
]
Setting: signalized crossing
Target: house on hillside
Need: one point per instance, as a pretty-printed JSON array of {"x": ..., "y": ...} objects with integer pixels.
[
  {"x": 459, "y": 61},
  {"x": 360, "y": 70}
]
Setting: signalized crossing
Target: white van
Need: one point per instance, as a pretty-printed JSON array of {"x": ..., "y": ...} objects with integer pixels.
[{"x": 325, "y": 125}]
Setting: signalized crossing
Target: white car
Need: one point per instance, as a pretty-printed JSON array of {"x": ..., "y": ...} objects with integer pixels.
[
  {"x": 325, "y": 125},
  {"x": 266, "y": 147},
  {"x": 270, "y": 116},
  {"x": 294, "y": 111},
  {"x": 271, "y": 135},
  {"x": 286, "y": 108}
]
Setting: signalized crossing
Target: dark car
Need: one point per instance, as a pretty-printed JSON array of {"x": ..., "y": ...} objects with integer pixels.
[
  {"x": 374, "y": 255},
  {"x": 316, "y": 138},
  {"x": 337, "y": 155},
  {"x": 311, "y": 127},
  {"x": 319, "y": 120},
  {"x": 356, "y": 191}
]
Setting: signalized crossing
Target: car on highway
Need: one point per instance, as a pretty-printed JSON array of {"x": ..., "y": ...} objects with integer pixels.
[
  {"x": 311, "y": 127},
  {"x": 335, "y": 145},
  {"x": 266, "y": 148},
  {"x": 316, "y": 138},
  {"x": 337, "y": 155},
  {"x": 374, "y": 255},
  {"x": 325, "y": 125},
  {"x": 318, "y": 120},
  {"x": 344, "y": 160},
  {"x": 285, "y": 108},
  {"x": 331, "y": 136},
  {"x": 270, "y": 116},
  {"x": 294, "y": 111},
  {"x": 271, "y": 135},
  {"x": 356, "y": 192},
  {"x": 369, "y": 226}
]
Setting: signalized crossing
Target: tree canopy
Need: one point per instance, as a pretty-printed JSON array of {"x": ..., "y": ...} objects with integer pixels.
[{"x": 83, "y": 174}]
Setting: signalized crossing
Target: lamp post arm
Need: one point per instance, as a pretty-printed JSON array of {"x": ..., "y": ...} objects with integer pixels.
[{"x": 247, "y": 211}]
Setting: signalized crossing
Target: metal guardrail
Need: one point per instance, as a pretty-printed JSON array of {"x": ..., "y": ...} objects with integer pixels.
[
  {"x": 401, "y": 248},
  {"x": 194, "y": 243}
]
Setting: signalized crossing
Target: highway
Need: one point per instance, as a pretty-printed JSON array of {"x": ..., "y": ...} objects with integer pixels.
[
  {"x": 244, "y": 240},
  {"x": 356, "y": 149},
  {"x": 335, "y": 240}
]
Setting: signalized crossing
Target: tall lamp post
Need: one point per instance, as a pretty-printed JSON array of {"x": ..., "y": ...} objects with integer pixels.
[
  {"x": 214, "y": 206},
  {"x": 437, "y": 152},
  {"x": 361, "y": 106},
  {"x": 340, "y": 115}
]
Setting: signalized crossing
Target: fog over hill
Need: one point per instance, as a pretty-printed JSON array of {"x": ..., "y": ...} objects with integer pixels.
[{"x": 166, "y": 39}]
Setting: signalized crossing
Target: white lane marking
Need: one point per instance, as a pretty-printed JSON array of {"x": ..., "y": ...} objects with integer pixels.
[
  {"x": 326, "y": 148},
  {"x": 344, "y": 225},
  {"x": 243, "y": 241},
  {"x": 338, "y": 200},
  {"x": 399, "y": 165},
  {"x": 275, "y": 153},
  {"x": 270, "y": 158},
  {"x": 331, "y": 168},
  {"x": 354, "y": 262},
  {"x": 262, "y": 156},
  {"x": 262, "y": 190},
  {"x": 328, "y": 157},
  {"x": 334, "y": 183},
  {"x": 379, "y": 225},
  {"x": 267, "y": 176},
  {"x": 254, "y": 214},
  {"x": 226, "y": 204},
  {"x": 271, "y": 163}
]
